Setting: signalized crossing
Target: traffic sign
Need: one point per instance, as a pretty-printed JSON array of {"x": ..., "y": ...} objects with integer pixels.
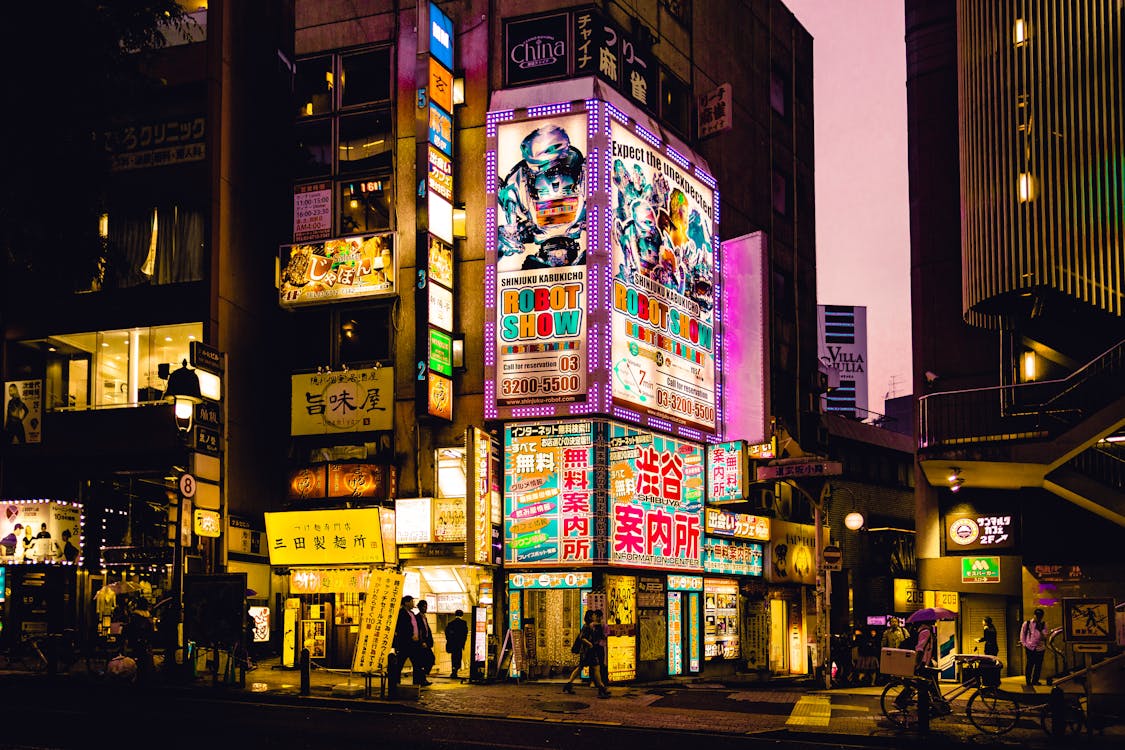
[
  {"x": 833, "y": 557},
  {"x": 1089, "y": 620},
  {"x": 800, "y": 469},
  {"x": 187, "y": 485}
]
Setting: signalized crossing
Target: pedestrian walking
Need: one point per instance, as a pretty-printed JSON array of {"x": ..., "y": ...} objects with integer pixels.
[
  {"x": 988, "y": 638},
  {"x": 425, "y": 646},
  {"x": 456, "y": 633},
  {"x": 1033, "y": 637},
  {"x": 589, "y": 655},
  {"x": 405, "y": 642},
  {"x": 894, "y": 635},
  {"x": 867, "y": 661}
]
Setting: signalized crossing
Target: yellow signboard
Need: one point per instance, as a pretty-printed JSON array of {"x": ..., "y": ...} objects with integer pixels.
[
  {"x": 377, "y": 622},
  {"x": 325, "y": 537},
  {"x": 441, "y": 86}
]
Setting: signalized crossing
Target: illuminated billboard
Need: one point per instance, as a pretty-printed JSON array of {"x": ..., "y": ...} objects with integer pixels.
[
  {"x": 541, "y": 294},
  {"x": 548, "y": 493},
  {"x": 601, "y": 275},
  {"x": 41, "y": 531},
  {"x": 656, "y": 500},
  {"x": 343, "y": 269},
  {"x": 663, "y": 290},
  {"x": 726, "y": 472}
]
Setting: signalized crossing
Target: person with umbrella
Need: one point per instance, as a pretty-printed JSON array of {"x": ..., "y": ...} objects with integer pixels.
[{"x": 924, "y": 621}]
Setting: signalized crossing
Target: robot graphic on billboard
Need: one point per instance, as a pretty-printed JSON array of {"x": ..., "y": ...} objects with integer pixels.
[{"x": 541, "y": 203}]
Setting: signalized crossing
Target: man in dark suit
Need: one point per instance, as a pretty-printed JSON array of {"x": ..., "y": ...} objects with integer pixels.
[
  {"x": 405, "y": 642},
  {"x": 456, "y": 633},
  {"x": 425, "y": 661}
]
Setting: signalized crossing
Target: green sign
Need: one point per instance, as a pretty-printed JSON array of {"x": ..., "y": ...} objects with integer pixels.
[
  {"x": 441, "y": 353},
  {"x": 980, "y": 570}
]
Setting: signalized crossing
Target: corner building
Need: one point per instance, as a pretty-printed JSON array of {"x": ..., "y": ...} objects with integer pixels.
[{"x": 1015, "y": 136}]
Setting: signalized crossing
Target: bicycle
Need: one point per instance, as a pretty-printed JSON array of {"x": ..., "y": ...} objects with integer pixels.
[
  {"x": 989, "y": 709},
  {"x": 26, "y": 655}
]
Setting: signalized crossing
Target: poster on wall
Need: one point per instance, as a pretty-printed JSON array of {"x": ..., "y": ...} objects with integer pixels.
[
  {"x": 40, "y": 531},
  {"x": 541, "y": 284},
  {"x": 23, "y": 411},
  {"x": 548, "y": 493},
  {"x": 312, "y": 212},
  {"x": 663, "y": 354},
  {"x": 334, "y": 270},
  {"x": 656, "y": 500}
]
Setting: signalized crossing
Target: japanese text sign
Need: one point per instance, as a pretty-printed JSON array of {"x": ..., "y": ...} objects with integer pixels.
[
  {"x": 656, "y": 500},
  {"x": 726, "y": 472},
  {"x": 334, "y": 270},
  {"x": 377, "y": 621},
  {"x": 324, "y": 537},
  {"x": 339, "y": 402},
  {"x": 549, "y": 493}
]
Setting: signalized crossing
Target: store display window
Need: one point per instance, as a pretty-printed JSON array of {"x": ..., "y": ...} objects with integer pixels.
[{"x": 720, "y": 619}]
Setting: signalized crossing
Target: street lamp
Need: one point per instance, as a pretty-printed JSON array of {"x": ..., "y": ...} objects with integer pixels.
[{"x": 183, "y": 391}]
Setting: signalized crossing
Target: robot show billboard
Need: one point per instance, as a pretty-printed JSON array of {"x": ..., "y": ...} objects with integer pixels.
[
  {"x": 541, "y": 275},
  {"x": 663, "y": 301}
]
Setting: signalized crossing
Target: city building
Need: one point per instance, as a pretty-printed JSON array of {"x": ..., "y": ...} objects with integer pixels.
[
  {"x": 1015, "y": 136},
  {"x": 182, "y": 275},
  {"x": 843, "y": 353},
  {"x": 383, "y": 215}
]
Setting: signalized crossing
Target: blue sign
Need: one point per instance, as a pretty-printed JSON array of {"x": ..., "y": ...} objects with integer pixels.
[
  {"x": 441, "y": 130},
  {"x": 3, "y": 581},
  {"x": 441, "y": 37}
]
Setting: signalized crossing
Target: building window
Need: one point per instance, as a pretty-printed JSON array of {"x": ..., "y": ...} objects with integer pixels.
[
  {"x": 780, "y": 193},
  {"x": 101, "y": 369},
  {"x": 345, "y": 132},
  {"x": 779, "y": 92},
  {"x": 675, "y": 103},
  {"x": 363, "y": 336}
]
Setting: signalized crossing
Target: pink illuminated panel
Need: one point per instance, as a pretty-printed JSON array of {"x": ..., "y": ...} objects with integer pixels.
[
  {"x": 656, "y": 500},
  {"x": 745, "y": 341}
]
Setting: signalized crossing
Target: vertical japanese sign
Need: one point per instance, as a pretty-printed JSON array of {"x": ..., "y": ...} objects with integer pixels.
[
  {"x": 337, "y": 402},
  {"x": 541, "y": 292},
  {"x": 656, "y": 500},
  {"x": 663, "y": 353},
  {"x": 433, "y": 293},
  {"x": 601, "y": 48},
  {"x": 726, "y": 472},
  {"x": 549, "y": 493},
  {"x": 478, "y": 541},
  {"x": 23, "y": 411},
  {"x": 377, "y": 621}
]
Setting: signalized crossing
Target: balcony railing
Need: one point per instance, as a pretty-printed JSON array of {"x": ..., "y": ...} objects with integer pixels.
[
  {"x": 1028, "y": 411},
  {"x": 1104, "y": 465}
]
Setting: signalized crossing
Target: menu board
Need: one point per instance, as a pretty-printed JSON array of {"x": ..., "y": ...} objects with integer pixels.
[{"x": 377, "y": 622}]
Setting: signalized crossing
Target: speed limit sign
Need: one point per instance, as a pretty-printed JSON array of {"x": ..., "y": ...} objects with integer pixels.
[{"x": 187, "y": 485}]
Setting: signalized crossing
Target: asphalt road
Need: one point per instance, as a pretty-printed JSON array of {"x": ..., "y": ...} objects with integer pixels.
[{"x": 42, "y": 714}]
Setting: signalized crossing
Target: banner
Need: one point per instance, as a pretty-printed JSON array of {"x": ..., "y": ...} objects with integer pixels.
[
  {"x": 40, "y": 531},
  {"x": 663, "y": 355},
  {"x": 334, "y": 270},
  {"x": 377, "y": 621},
  {"x": 541, "y": 293},
  {"x": 656, "y": 500},
  {"x": 325, "y": 537},
  {"x": 23, "y": 411},
  {"x": 338, "y": 402},
  {"x": 793, "y": 552},
  {"x": 549, "y": 493}
]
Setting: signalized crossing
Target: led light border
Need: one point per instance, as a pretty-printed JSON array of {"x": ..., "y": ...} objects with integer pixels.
[{"x": 599, "y": 336}]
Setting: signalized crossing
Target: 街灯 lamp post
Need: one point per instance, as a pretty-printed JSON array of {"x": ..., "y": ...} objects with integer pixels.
[{"x": 183, "y": 392}]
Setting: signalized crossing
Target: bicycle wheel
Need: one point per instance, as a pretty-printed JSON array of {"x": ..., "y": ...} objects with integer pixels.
[
  {"x": 1075, "y": 719},
  {"x": 992, "y": 712},
  {"x": 899, "y": 702}
]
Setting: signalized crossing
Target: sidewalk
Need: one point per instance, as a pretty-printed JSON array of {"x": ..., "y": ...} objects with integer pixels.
[{"x": 775, "y": 710}]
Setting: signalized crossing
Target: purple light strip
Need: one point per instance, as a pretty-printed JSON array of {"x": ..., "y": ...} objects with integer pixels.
[
  {"x": 646, "y": 135},
  {"x": 616, "y": 114},
  {"x": 490, "y": 411},
  {"x": 544, "y": 110},
  {"x": 707, "y": 179},
  {"x": 677, "y": 157},
  {"x": 661, "y": 424},
  {"x": 535, "y": 411},
  {"x": 692, "y": 433},
  {"x": 627, "y": 414}
]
